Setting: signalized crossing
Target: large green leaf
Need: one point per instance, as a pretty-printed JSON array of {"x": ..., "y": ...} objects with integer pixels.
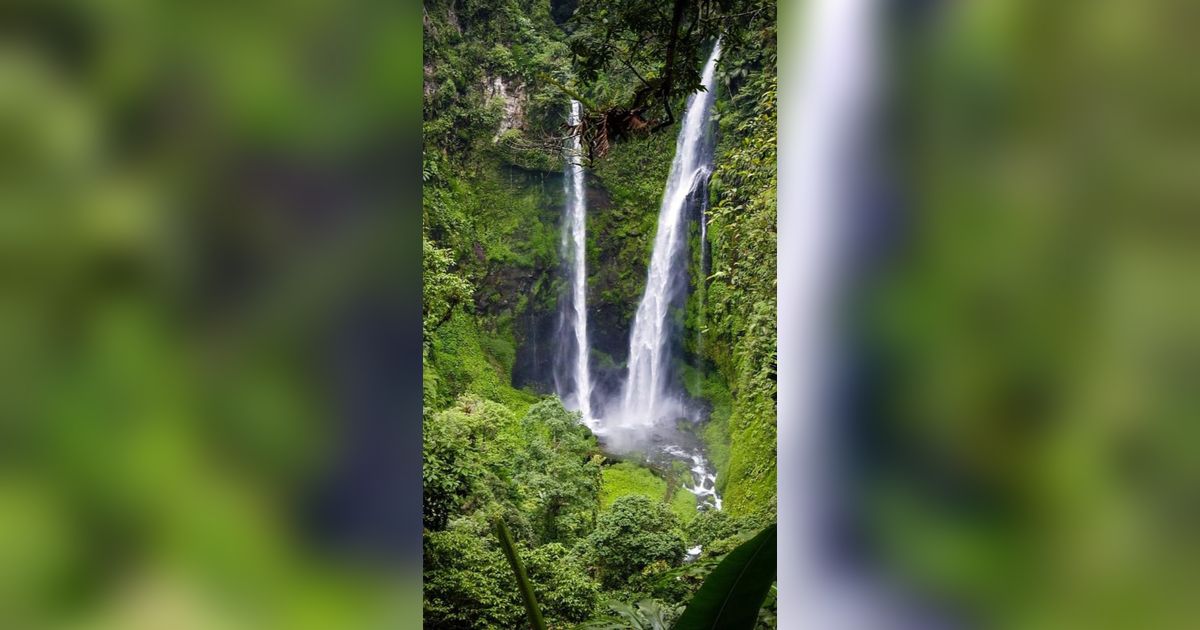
[
  {"x": 731, "y": 596},
  {"x": 525, "y": 586},
  {"x": 646, "y": 615}
]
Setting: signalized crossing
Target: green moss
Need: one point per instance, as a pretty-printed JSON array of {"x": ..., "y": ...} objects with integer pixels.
[
  {"x": 461, "y": 365},
  {"x": 498, "y": 342},
  {"x": 635, "y": 170},
  {"x": 740, "y": 303},
  {"x": 494, "y": 222},
  {"x": 710, "y": 386},
  {"x": 628, "y": 478},
  {"x": 625, "y": 478},
  {"x": 683, "y": 504},
  {"x": 603, "y": 360},
  {"x": 752, "y": 474},
  {"x": 716, "y": 438}
]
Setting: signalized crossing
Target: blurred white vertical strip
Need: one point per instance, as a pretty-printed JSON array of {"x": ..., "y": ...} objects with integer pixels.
[{"x": 825, "y": 93}]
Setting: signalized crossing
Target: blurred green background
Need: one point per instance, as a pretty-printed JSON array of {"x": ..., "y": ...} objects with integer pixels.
[
  {"x": 209, "y": 222},
  {"x": 1032, "y": 331}
]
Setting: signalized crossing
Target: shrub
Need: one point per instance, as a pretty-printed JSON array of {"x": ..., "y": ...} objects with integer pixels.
[
  {"x": 468, "y": 583},
  {"x": 634, "y": 533}
]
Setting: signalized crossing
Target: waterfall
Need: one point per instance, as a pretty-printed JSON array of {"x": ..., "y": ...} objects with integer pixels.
[
  {"x": 645, "y": 400},
  {"x": 577, "y": 389}
]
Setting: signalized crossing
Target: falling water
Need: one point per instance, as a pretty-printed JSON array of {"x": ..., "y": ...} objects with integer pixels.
[
  {"x": 645, "y": 400},
  {"x": 578, "y": 387}
]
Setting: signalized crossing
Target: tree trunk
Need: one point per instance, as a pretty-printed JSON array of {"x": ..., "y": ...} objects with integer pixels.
[{"x": 669, "y": 74}]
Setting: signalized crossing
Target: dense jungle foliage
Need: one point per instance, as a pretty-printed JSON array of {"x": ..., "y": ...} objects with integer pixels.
[{"x": 602, "y": 536}]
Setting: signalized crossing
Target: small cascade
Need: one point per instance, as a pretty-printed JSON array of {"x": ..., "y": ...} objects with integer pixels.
[
  {"x": 704, "y": 478},
  {"x": 575, "y": 386},
  {"x": 645, "y": 401}
]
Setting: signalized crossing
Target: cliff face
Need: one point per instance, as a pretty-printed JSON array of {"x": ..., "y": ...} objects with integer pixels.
[
  {"x": 492, "y": 192},
  {"x": 493, "y": 135},
  {"x": 511, "y": 101},
  {"x": 494, "y": 197},
  {"x": 482, "y": 93}
]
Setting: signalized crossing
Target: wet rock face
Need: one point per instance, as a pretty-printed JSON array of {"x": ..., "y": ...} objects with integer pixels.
[
  {"x": 533, "y": 294},
  {"x": 513, "y": 99},
  {"x": 561, "y": 10},
  {"x": 537, "y": 336},
  {"x": 610, "y": 304},
  {"x": 609, "y": 309}
]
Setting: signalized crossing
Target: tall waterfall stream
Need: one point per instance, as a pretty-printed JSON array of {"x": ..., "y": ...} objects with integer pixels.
[{"x": 576, "y": 389}]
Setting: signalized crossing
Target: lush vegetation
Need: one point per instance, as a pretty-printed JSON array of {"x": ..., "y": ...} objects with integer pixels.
[
  {"x": 597, "y": 535},
  {"x": 633, "y": 174},
  {"x": 626, "y": 479},
  {"x": 740, "y": 301}
]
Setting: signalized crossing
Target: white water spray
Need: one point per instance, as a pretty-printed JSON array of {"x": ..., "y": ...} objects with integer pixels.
[
  {"x": 645, "y": 401},
  {"x": 574, "y": 248}
]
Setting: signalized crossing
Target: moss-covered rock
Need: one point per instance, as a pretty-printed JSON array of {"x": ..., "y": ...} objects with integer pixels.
[
  {"x": 626, "y": 478},
  {"x": 741, "y": 296}
]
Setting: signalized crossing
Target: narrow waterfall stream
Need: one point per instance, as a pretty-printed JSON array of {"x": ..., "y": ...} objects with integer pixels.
[{"x": 576, "y": 389}]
